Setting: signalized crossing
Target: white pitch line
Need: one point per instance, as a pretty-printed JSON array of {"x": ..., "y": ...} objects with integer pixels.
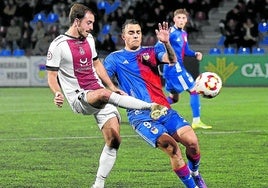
[
  {"x": 232, "y": 132},
  {"x": 124, "y": 136},
  {"x": 62, "y": 138}
]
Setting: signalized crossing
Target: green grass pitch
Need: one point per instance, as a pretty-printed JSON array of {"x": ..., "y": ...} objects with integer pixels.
[{"x": 42, "y": 146}]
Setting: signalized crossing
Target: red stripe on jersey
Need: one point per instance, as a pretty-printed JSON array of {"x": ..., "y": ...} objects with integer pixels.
[
  {"x": 184, "y": 39},
  {"x": 83, "y": 64},
  {"x": 149, "y": 72}
]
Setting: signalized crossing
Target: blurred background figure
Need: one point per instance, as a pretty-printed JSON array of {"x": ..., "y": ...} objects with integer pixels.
[
  {"x": 38, "y": 33},
  {"x": 9, "y": 11},
  {"x": 26, "y": 34},
  {"x": 249, "y": 33},
  {"x": 63, "y": 21},
  {"x": 108, "y": 44},
  {"x": 42, "y": 45},
  {"x": 231, "y": 32},
  {"x": 13, "y": 35}
]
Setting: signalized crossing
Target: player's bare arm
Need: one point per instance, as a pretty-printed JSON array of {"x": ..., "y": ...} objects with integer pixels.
[
  {"x": 170, "y": 55},
  {"x": 101, "y": 71},
  {"x": 55, "y": 88},
  {"x": 162, "y": 35}
]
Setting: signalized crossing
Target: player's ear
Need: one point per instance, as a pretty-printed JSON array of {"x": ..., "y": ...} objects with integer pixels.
[
  {"x": 76, "y": 22},
  {"x": 123, "y": 36}
]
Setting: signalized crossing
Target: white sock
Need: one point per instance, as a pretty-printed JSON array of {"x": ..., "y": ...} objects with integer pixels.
[
  {"x": 195, "y": 173},
  {"x": 196, "y": 119},
  {"x": 106, "y": 163},
  {"x": 128, "y": 102}
]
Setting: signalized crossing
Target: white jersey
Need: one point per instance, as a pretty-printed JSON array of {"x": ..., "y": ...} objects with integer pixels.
[{"x": 73, "y": 58}]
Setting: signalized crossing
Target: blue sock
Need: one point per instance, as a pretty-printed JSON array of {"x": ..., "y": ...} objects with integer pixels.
[
  {"x": 195, "y": 104},
  {"x": 184, "y": 174},
  {"x": 193, "y": 162}
]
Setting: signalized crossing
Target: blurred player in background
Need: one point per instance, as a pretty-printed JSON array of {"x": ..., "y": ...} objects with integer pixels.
[
  {"x": 75, "y": 70},
  {"x": 136, "y": 69},
  {"x": 177, "y": 78}
]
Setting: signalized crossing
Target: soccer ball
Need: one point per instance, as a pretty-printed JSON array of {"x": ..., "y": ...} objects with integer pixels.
[{"x": 208, "y": 84}]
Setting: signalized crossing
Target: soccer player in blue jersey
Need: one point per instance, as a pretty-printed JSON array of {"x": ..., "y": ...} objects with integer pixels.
[
  {"x": 177, "y": 78},
  {"x": 136, "y": 69}
]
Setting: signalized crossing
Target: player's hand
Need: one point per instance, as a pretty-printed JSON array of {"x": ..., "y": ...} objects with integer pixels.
[
  {"x": 58, "y": 99},
  {"x": 120, "y": 92},
  {"x": 162, "y": 33},
  {"x": 116, "y": 90},
  {"x": 198, "y": 56}
]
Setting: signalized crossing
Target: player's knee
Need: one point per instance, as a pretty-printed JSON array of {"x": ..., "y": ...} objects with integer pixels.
[
  {"x": 192, "y": 144},
  {"x": 104, "y": 95},
  {"x": 114, "y": 142},
  {"x": 167, "y": 144}
]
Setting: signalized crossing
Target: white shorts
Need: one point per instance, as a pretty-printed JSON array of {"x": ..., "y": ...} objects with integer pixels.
[{"x": 80, "y": 105}]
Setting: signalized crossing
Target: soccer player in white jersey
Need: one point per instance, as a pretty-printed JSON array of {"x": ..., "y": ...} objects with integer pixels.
[
  {"x": 76, "y": 73},
  {"x": 177, "y": 78}
]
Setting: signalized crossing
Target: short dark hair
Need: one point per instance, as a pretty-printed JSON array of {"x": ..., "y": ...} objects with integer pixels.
[
  {"x": 78, "y": 11},
  {"x": 129, "y": 21}
]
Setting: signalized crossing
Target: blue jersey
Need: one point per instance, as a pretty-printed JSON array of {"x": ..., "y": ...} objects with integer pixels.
[
  {"x": 178, "y": 40},
  {"x": 137, "y": 74}
]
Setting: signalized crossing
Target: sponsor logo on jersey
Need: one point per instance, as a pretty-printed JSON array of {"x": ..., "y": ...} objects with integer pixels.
[
  {"x": 83, "y": 61},
  {"x": 137, "y": 112},
  {"x": 125, "y": 62}
]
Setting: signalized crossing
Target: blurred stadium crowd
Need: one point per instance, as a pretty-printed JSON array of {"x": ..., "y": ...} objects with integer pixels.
[
  {"x": 28, "y": 26},
  {"x": 244, "y": 24}
]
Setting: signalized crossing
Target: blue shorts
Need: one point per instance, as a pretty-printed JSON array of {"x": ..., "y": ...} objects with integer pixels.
[
  {"x": 151, "y": 130},
  {"x": 183, "y": 81}
]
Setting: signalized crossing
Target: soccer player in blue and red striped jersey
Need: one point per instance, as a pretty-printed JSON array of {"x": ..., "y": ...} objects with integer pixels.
[
  {"x": 136, "y": 69},
  {"x": 177, "y": 78}
]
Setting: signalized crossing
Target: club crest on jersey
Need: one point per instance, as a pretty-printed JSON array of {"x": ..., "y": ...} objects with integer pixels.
[
  {"x": 154, "y": 130},
  {"x": 81, "y": 50},
  {"x": 146, "y": 56}
]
